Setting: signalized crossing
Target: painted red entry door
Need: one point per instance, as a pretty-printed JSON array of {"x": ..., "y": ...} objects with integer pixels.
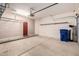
[{"x": 25, "y": 29}]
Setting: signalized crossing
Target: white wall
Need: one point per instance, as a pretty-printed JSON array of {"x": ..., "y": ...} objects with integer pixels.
[
  {"x": 37, "y": 27},
  {"x": 53, "y": 30},
  {"x": 78, "y": 30},
  {"x": 31, "y": 27},
  {"x": 12, "y": 29}
]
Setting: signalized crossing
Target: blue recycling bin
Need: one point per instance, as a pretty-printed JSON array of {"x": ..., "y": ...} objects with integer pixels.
[{"x": 64, "y": 35}]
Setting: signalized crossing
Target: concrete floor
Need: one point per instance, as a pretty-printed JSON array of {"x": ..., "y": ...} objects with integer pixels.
[{"x": 39, "y": 46}]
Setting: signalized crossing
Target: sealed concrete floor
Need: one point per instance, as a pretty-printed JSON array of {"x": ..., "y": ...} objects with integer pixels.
[{"x": 39, "y": 46}]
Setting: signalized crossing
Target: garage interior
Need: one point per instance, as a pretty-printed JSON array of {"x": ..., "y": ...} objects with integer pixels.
[{"x": 39, "y": 29}]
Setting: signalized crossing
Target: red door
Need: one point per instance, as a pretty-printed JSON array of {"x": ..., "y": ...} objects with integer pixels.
[{"x": 25, "y": 29}]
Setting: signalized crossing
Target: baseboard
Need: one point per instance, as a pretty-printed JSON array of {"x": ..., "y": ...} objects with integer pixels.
[{"x": 11, "y": 39}]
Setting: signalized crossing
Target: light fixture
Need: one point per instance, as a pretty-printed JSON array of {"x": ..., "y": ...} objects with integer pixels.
[
  {"x": 22, "y": 12},
  {"x": 76, "y": 12}
]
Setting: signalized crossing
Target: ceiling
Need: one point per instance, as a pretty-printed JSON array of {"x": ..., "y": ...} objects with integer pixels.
[
  {"x": 54, "y": 10},
  {"x": 27, "y": 6}
]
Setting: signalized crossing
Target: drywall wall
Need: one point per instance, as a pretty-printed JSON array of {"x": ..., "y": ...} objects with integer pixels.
[
  {"x": 31, "y": 26},
  {"x": 53, "y": 30},
  {"x": 37, "y": 27},
  {"x": 12, "y": 29}
]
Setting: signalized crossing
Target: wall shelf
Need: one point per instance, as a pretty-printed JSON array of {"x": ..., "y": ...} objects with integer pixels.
[
  {"x": 9, "y": 19},
  {"x": 54, "y": 23}
]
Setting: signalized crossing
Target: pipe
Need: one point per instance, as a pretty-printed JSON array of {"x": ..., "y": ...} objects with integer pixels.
[{"x": 45, "y": 8}]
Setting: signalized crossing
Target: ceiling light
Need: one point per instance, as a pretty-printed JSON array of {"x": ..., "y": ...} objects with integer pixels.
[{"x": 22, "y": 12}]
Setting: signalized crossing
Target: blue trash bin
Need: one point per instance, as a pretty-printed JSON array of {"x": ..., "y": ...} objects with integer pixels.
[{"x": 64, "y": 35}]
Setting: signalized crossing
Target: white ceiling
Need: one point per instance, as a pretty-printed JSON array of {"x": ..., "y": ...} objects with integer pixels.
[
  {"x": 27, "y": 6},
  {"x": 54, "y": 10}
]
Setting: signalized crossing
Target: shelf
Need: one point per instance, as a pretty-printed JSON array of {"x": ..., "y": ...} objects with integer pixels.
[{"x": 54, "y": 23}]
